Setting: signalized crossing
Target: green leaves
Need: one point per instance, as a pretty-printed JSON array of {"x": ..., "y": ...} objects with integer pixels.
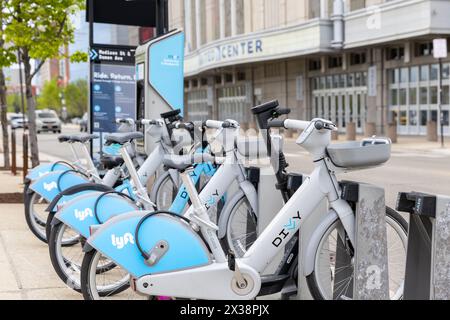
[
  {"x": 79, "y": 56},
  {"x": 75, "y": 95},
  {"x": 39, "y": 27}
]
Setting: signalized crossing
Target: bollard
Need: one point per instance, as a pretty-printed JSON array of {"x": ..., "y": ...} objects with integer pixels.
[
  {"x": 370, "y": 261},
  {"x": 432, "y": 134},
  {"x": 370, "y": 129},
  {"x": 351, "y": 131},
  {"x": 25, "y": 154},
  {"x": 392, "y": 132},
  {"x": 13, "y": 152},
  {"x": 335, "y": 135}
]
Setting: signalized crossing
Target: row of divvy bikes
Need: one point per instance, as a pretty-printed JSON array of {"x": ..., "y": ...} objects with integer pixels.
[{"x": 166, "y": 225}]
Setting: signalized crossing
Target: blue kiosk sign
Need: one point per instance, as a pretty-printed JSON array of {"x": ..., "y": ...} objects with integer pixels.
[{"x": 113, "y": 87}]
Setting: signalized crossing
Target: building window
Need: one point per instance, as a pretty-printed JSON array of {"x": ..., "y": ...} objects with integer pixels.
[
  {"x": 413, "y": 96},
  {"x": 240, "y": 76},
  {"x": 357, "y": 4},
  {"x": 314, "y": 9},
  {"x": 315, "y": 64},
  {"x": 394, "y": 98},
  {"x": 424, "y": 49},
  {"x": 194, "y": 83},
  {"x": 414, "y": 74},
  {"x": 434, "y": 95},
  {"x": 335, "y": 62},
  {"x": 228, "y": 77},
  {"x": 218, "y": 79},
  {"x": 402, "y": 98},
  {"x": 396, "y": 53},
  {"x": 423, "y": 95},
  {"x": 404, "y": 75},
  {"x": 357, "y": 58},
  {"x": 445, "y": 95},
  {"x": 434, "y": 72},
  {"x": 424, "y": 73},
  {"x": 203, "y": 82}
]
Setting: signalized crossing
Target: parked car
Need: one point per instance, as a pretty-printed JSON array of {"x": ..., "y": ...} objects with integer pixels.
[
  {"x": 84, "y": 123},
  {"x": 47, "y": 120},
  {"x": 18, "y": 121}
]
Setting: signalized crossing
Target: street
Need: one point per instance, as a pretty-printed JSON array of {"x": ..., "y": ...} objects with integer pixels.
[
  {"x": 49, "y": 144},
  {"x": 415, "y": 165}
]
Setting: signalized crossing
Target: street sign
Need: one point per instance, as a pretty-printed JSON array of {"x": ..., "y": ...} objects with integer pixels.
[
  {"x": 108, "y": 54},
  {"x": 440, "y": 48}
]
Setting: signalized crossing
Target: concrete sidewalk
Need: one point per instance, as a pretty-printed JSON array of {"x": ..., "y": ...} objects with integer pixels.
[{"x": 25, "y": 268}]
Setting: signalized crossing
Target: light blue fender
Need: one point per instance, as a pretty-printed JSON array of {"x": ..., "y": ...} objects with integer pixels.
[
  {"x": 45, "y": 168},
  {"x": 115, "y": 239},
  {"x": 51, "y": 184},
  {"x": 79, "y": 212}
]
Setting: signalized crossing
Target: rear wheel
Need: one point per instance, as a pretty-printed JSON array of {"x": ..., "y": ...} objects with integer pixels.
[
  {"x": 111, "y": 284},
  {"x": 66, "y": 260},
  {"x": 164, "y": 192},
  {"x": 35, "y": 214},
  {"x": 322, "y": 281}
]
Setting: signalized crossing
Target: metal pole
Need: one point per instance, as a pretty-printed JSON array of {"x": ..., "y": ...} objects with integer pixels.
[
  {"x": 441, "y": 114},
  {"x": 91, "y": 44},
  {"x": 25, "y": 155},
  {"x": 19, "y": 58},
  {"x": 13, "y": 152}
]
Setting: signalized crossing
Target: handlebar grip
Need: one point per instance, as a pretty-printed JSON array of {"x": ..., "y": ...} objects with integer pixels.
[
  {"x": 275, "y": 124},
  {"x": 226, "y": 124},
  {"x": 284, "y": 111},
  {"x": 319, "y": 125}
]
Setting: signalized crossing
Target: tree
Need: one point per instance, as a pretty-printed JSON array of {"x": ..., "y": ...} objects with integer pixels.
[
  {"x": 50, "y": 96},
  {"x": 39, "y": 29},
  {"x": 13, "y": 103},
  {"x": 7, "y": 57},
  {"x": 76, "y": 96}
]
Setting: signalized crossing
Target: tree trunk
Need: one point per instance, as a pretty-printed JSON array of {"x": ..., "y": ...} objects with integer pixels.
[
  {"x": 31, "y": 108},
  {"x": 4, "y": 120}
]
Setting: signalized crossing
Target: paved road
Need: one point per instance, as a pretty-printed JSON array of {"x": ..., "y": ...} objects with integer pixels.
[
  {"x": 49, "y": 144},
  {"x": 409, "y": 169}
]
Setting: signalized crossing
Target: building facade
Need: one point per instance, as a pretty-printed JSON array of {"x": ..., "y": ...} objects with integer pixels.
[{"x": 364, "y": 64}]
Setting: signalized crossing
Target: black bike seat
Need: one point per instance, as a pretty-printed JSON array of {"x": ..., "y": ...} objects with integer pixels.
[
  {"x": 265, "y": 107},
  {"x": 82, "y": 137},
  {"x": 123, "y": 137},
  {"x": 170, "y": 114}
]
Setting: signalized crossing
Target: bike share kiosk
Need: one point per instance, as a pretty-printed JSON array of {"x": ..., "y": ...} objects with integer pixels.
[
  {"x": 427, "y": 274},
  {"x": 160, "y": 78}
]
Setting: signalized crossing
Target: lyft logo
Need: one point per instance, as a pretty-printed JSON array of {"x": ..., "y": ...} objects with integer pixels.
[
  {"x": 122, "y": 241},
  {"x": 83, "y": 214},
  {"x": 50, "y": 186}
]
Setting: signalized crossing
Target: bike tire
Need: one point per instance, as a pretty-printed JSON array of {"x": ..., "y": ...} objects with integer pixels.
[{"x": 311, "y": 279}]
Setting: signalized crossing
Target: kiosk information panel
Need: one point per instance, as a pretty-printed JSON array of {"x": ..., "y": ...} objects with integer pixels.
[{"x": 113, "y": 88}]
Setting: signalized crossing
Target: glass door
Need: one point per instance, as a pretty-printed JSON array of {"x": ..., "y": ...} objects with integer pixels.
[{"x": 403, "y": 120}]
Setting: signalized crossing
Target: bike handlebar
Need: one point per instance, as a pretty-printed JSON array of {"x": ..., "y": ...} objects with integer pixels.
[
  {"x": 148, "y": 122},
  {"x": 213, "y": 124},
  {"x": 299, "y": 124}
]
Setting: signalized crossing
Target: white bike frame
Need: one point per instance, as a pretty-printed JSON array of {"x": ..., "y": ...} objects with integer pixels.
[{"x": 217, "y": 281}]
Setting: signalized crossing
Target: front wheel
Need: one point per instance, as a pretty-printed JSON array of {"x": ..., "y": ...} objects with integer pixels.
[
  {"x": 113, "y": 283},
  {"x": 241, "y": 226},
  {"x": 35, "y": 214},
  {"x": 332, "y": 277}
]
